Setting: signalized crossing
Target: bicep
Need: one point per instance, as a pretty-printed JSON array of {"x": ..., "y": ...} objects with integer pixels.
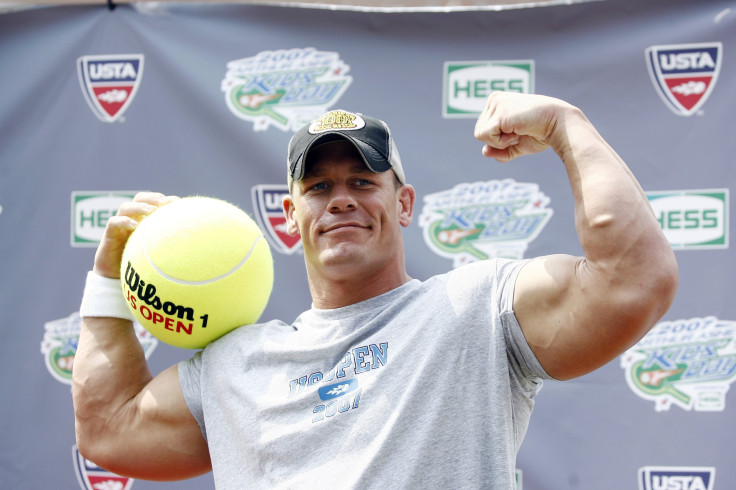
[
  {"x": 157, "y": 436},
  {"x": 574, "y": 317}
]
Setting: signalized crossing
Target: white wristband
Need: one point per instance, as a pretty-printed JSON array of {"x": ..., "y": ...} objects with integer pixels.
[{"x": 103, "y": 297}]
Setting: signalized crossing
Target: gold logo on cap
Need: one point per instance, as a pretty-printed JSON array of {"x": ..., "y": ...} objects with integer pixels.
[{"x": 336, "y": 120}]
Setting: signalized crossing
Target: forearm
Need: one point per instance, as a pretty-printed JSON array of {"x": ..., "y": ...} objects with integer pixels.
[
  {"x": 109, "y": 371},
  {"x": 629, "y": 265},
  {"x": 613, "y": 218}
]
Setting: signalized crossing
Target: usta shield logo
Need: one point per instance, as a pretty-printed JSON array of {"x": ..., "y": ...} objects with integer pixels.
[
  {"x": 676, "y": 478},
  {"x": 684, "y": 74},
  {"x": 109, "y": 83},
  {"x": 267, "y": 199}
]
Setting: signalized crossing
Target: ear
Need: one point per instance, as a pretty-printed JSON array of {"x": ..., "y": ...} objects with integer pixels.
[
  {"x": 407, "y": 196},
  {"x": 292, "y": 227}
]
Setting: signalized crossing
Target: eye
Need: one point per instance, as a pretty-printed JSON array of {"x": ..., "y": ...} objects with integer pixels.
[
  {"x": 318, "y": 186},
  {"x": 362, "y": 182}
]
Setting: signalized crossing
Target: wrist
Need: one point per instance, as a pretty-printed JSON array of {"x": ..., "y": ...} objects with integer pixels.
[{"x": 103, "y": 297}]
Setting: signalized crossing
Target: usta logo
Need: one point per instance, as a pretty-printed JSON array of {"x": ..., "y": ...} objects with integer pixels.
[
  {"x": 686, "y": 61},
  {"x": 678, "y": 483},
  {"x": 107, "y": 71}
]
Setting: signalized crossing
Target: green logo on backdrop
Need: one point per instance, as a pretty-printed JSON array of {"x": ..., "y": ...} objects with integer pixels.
[
  {"x": 692, "y": 219},
  {"x": 467, "y": 84},
  {"x": 90, "y": 212}
]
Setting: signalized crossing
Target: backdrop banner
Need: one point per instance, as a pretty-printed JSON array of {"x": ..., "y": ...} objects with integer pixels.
[{"x": 98, "y": 104}]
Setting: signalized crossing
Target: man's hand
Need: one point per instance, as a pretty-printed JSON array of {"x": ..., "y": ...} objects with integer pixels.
[
  {"x": 513, "y": 125},
  {"x": 119, "y": 227}
]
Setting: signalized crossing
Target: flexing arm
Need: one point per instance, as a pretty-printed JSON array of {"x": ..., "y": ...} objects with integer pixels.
[
  {"x": 127, "y": 421},
  {"x": 578, "y": 313}
]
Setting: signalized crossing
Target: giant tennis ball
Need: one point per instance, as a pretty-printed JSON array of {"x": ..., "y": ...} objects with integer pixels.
[{"x": 195, "y": 269}]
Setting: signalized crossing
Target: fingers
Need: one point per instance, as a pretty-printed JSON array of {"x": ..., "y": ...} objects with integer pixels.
[
  {"x": 154, "y": 198},
  {"x": 512, "y": 125},
  {"x": 489, "y": 130},
  {"x": 119, "y": 227}
]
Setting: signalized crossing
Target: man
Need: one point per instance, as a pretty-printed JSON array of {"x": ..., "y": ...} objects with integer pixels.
[{"x": 386, "y": 381}]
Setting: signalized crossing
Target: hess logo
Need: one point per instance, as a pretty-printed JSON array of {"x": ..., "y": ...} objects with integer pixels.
[{"x": 694, "y": 219}]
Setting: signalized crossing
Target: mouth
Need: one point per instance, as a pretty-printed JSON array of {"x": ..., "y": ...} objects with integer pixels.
[{"x": 336, "y": 227}]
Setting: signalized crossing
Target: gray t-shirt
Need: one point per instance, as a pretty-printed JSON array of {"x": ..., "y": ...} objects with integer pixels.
[{"x": 430, "y": 385}]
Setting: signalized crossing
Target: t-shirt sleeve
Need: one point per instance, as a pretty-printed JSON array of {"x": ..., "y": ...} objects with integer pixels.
[
  {"x": 521, "y": 356},
  {"x": 491, "y": 283},
  {"x": 189, "y": 379}
]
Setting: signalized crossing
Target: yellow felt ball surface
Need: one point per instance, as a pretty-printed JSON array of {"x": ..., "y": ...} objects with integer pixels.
[{"x": 195, "y": 269}]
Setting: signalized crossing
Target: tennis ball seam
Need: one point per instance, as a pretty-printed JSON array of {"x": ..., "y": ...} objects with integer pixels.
[{"x": 184, "y": 282}]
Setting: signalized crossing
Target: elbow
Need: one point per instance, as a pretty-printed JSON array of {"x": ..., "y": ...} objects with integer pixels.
[
  {"x": 88, "y": 446},
  {"x": 656, "y": 292},
  {"x": 90, "y": 426},
  {"x": 666, "y": 280},
  {"x": 93, "y": 446},
  {"x": 88, "y": 438}
]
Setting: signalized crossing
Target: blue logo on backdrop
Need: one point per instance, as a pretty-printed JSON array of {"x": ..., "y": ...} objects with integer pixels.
[
  {"x": 684, "y": 74},
  {"x": 269, "y": 213},
  {"x": 676, "y": 478},
  {"x": 109, "y": 83}
]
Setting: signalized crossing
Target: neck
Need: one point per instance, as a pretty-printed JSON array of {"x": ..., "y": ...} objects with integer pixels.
[{"x": 329, "y": 293}]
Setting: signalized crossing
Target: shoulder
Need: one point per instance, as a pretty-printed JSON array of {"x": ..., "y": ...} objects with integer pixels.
[
  {"x": 248, "y": 337},
  {"x": 495, "y": 273}
]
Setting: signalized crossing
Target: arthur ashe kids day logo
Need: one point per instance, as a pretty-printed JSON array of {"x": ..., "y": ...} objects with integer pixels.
[
  {"x": 59, "y": 345},
  {"x": 688, "y": 363},
  {"x": 482, "y": 220},
  {"x": 284, "y": 88},
  {"x": 109, "y": 83},
  {"x": 684, "y": 74}
]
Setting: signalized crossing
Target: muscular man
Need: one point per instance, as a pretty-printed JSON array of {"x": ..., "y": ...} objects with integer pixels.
[{"x": 386, "y": 381}]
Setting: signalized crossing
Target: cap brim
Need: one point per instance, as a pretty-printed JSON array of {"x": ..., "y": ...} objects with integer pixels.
[{"x": 372, "y": 158}]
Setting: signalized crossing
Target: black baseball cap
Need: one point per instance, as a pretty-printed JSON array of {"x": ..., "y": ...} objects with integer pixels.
[{"x": 370, "y": 136}]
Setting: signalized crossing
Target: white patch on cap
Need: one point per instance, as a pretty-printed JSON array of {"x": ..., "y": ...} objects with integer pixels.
[{"x": 336, "y": 121}]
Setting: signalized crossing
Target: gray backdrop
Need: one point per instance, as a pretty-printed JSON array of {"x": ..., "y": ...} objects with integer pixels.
[{"x": 659, "y": 415}]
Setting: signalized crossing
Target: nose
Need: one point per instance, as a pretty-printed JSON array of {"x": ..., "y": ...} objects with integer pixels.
[{"x": 341, "y": 199}]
